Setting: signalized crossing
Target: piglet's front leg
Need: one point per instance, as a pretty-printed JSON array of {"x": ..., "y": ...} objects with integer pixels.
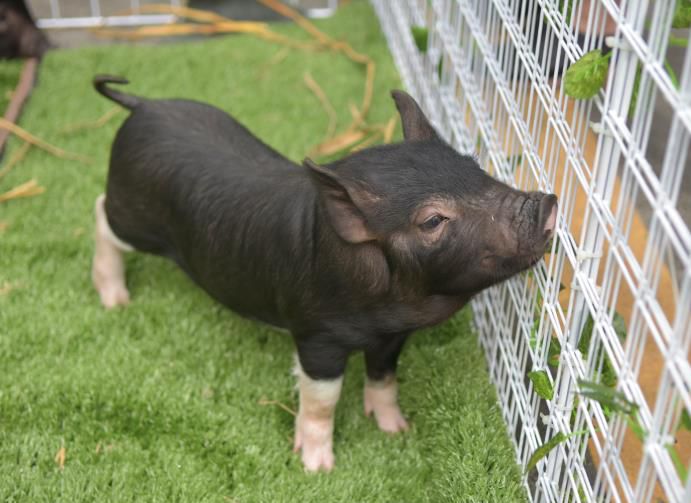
[
  {"x": 381, "y": 388},
  {"x": 314, "y": 424},
  {"x": 381, "y": 398}
]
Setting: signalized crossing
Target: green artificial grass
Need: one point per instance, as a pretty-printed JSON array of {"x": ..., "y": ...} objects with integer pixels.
[
  {"x": 9, "y": 77},
  {"x": 159, "y": 401}
]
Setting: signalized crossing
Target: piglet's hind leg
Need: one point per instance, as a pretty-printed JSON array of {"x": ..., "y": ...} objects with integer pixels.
[{"x": 108, "y": 269}]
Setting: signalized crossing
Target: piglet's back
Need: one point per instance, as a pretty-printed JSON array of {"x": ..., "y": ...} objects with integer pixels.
[{"x": 188, "y": 182}]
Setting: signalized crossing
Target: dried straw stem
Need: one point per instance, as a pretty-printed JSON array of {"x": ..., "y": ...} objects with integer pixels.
[
  {"x": 335, "y": 45},
  {"x": 209, "y": 23},
  {"x": 368, "y": 141},
  {"x": 389, "y": 129},
  {"x": 33, "y": 140},
  {"x": 16, "y": 157},
  {"x": 27, "y": 189},
  {"x": 279, "y": 404},
  {"x": 101, "y": 121},
  {"x": 324, "y": 101},
  {"x": 278, "y": 57}
]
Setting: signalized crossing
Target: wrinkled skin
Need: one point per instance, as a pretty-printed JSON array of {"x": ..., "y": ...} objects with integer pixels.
[{"x": 353, "y": 256}]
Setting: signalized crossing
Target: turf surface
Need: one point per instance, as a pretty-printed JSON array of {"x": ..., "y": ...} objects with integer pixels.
[
  {"x": 9, "y": 77},
  {"x": 159, "y": 401}
]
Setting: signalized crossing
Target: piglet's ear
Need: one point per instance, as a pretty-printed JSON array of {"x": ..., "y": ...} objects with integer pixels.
[
  {"x": 345, "y": 216},
  {"x": 415, "y": 124}
]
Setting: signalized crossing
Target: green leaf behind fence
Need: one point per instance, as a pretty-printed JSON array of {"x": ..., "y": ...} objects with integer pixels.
[
  {"x": 545, "y": 449},
  {"x": 678, "y": 463},
  {"x": 541, "y": 384},
  {"x": 587, "y": 76},
  {"x": 608, "y": 375},
  {"x": 554, "y": 352},
  {"x": 548, "y": 446},
  {"x": 682, "y": 14},
  {"x": 616, "y": 401},
  {"x": 685, "y": 422},
  {"x": 421, "y": 36}
]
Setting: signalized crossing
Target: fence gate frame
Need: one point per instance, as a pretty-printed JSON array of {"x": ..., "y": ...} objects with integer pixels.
[
  {"x": 95, "y": 18},
  {"x": 49, "y": 14}
]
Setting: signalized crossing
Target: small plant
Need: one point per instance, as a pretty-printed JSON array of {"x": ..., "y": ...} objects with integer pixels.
[
  {"x": 608, "y": 375},
  {"x": 685, "y": 422},
  {"x": 568, "y": 4},
  {"x": 606, "y": 396},
  {"x": 583, "y": 80},
  {"x": 617, "y": 403},
  {"x": 420, "y": 36},
  {"x": 682, "y": 14},
  {"x": 634, "y": 90},
  {"x": 610, "y": 400},
  {"x": 547, "y": 447},
  {"x": 541, "y": 384},
  {"x": 588, "y": 75}
]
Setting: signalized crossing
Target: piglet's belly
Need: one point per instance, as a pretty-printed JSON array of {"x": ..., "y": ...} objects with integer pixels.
[{"x": 242, "y": 282}]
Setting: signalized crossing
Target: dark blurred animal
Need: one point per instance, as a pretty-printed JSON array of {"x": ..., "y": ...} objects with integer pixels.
[{"x": 19, "y": 36}]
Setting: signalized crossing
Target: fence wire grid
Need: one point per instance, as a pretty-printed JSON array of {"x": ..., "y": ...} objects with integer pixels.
[{"x": 611, "y": 303}]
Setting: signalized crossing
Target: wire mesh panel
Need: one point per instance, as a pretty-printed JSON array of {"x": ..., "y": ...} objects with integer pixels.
[
  {"x": 590, "y": 350},
  {"x": 88, "y": 13}
]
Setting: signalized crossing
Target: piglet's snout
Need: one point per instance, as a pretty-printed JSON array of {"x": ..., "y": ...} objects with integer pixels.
[{"x": 547, "y": 217}]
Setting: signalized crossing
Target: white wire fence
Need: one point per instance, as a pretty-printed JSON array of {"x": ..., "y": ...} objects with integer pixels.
[{"x": 611, "y": 304}]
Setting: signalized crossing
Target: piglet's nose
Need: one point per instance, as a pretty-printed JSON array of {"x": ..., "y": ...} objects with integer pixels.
[{"x": 548, "y": 214}]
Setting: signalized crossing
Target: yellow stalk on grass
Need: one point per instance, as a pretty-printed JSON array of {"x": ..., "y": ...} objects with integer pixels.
[
  {"x": 209, "y": 23},
  {"x": 51, "y": 149},
  {"x": 17, "y": 156},
  {"x": 26, "y": 189},
  {"x": 324, "y": 101},
  {"x": 101, "y": 121}
]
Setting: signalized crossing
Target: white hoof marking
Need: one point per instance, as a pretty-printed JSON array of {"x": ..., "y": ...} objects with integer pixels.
[
  {"x": 108, "y": 269},
  {"x": 314, "y": 423},
  {"x": 381, "y": 397}
]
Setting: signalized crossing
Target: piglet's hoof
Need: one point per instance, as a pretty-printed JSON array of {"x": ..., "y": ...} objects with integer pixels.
[
  {"x": 113, "y": 296},
  {"x": 313, "y": 438},
  {"x": 382, "y": 401},
  {"x": 389, "y": 419}
]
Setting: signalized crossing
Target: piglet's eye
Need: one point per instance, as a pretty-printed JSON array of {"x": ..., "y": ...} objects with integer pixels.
[{"x": 432, "y": 222}]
